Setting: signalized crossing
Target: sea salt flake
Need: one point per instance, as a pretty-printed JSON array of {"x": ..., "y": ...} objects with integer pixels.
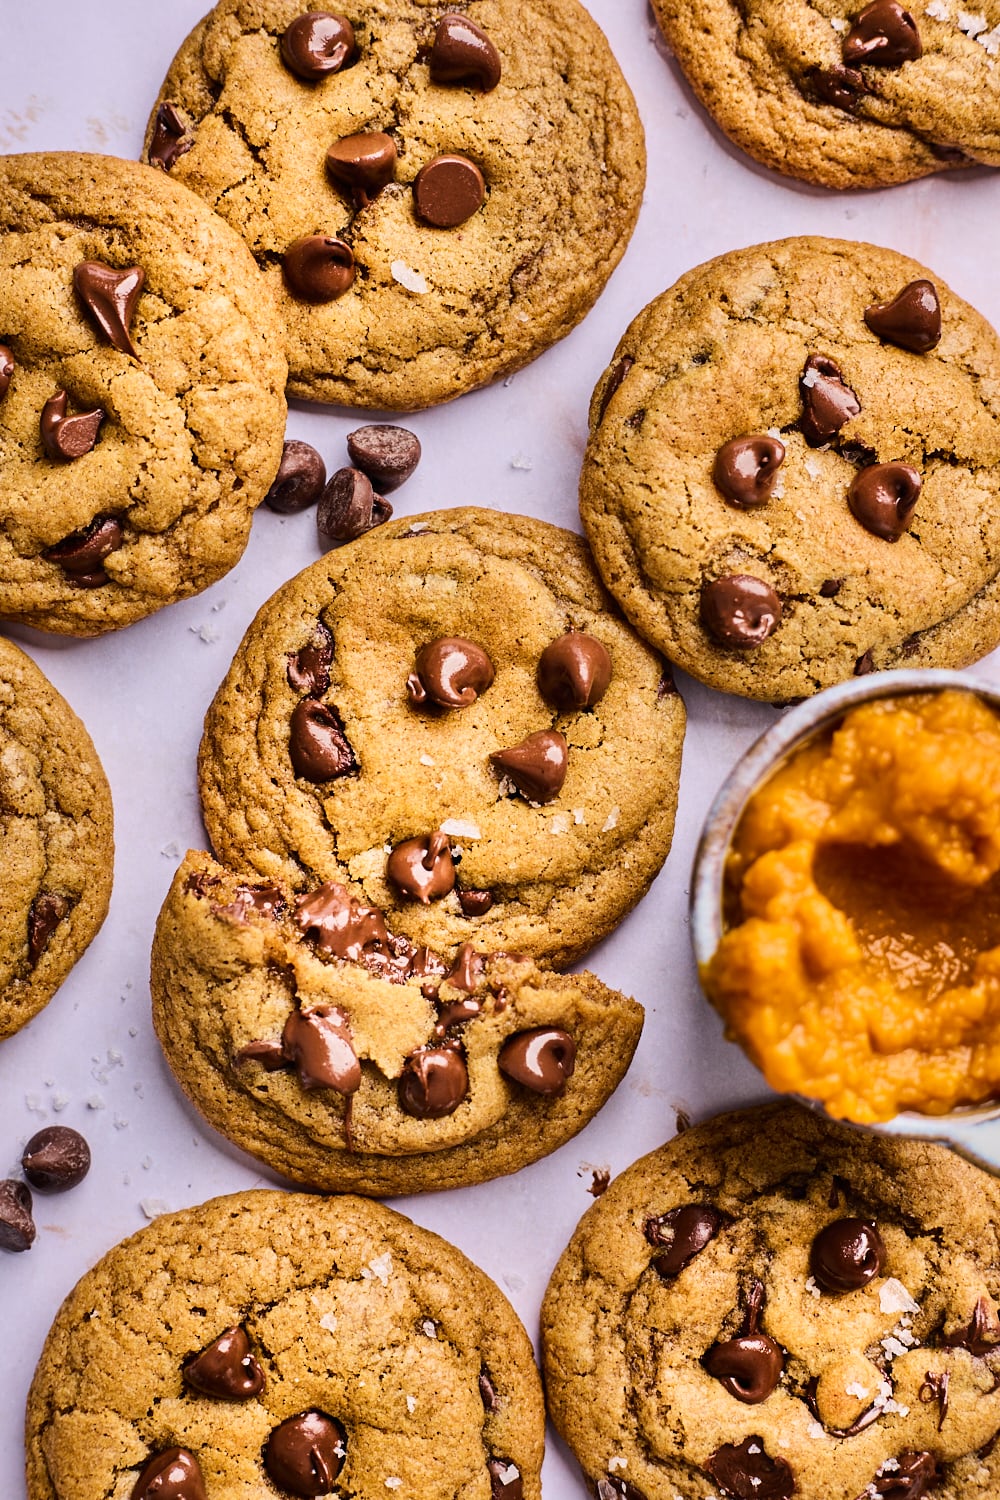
[
  {"x": 778, "y": 490},
  {"x": 578, "y": 815},
  {"x": 508, "y": 1473},
  {"x": 329, "y": 1322},
  {"x": 560, "y": 823},
  {"x": 893, "y": 1348},
  {"x": 813, "y": 469},
  {"x": 616, "y": 1463},
  {"x": 990, "y": 40},
  {"x": 96, "y": 1102},
  {"x": 408, "y": 277},
  {"x": 427, "y": 760},
  {"x": 393, "y": 1483},
  {"x": 972, "y": 22},
  {"x": 812, "y": 1288},
  {"x": 154, "y": 1207},
  {"x": 939, "y": 10},
  {"x": 612, "y": 820},
  {"x": 207, "y": 633},
  {"x": 522, "y": 461},
  {"x": 754, "y": 1481},
  {"x": 839, "y": 24},
  {"x": 461, "y": 828},
  {"x": 889, "y": 1467},
  {"x": 381, "y": 1267},
  {"x": 430, "y": 1328},
  {"x": 753, "y": 1448},
  {"x": 855, "y": 1388},
  {"x": 810, "y": 378},
  {"x": 774, "y": 432},
  {"x": 816, "y": 1430},
  {"x": 411, "y": 1404},
  {"x": 894, "y": 1298},
  {"x": 59, "y": 1102}
]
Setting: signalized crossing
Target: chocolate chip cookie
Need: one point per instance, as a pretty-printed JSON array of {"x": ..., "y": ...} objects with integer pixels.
[
  {"x": 792, "y": 472},
  {"x": 272, "y": 1342},
  {"x": 434, "y": 196},
  {"x": 846, "y": 94},
  {"x": 55, "y": 832},
  {"x": 345, "y": 1057},
  {"x": 142, "y": 401},
  {"x": 773, "y": 1306},
  {"x": 449, "y": 717}
]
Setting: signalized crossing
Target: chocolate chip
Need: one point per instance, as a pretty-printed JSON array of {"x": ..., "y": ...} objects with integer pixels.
[
  {"x": 317, "y": 43},
  {"x": 912, "y": 1477},
  {"x": 226, "y": 1370},
  {"x": 6, "y": 369},
  {"x": 748, "y": 1367},
  {"x": 540, "y": 1060},
  {"x": 309, "y": 667},
  {"x": 912, "y": 320},
  {"x": 457, "y": 1013},
  {"x": 320, "y": 1044},
  {"x": 745, "y": 470},
  {"x": 537, "y": 766},
  {"x": 864, "y": 664},
  {"x": 448, "y": 191},
  {"x": 433, "y": 1083},
  {"x": 463, "y": 53},
  {"x": 467, "y": 970},
  {"x": 306, "y": 1453},
  {"x": 299, "y": 481},
  {"x": 827, "y": 402},
  {"x": 475, "y": 903},
  {"x": 340, "y": 925},
  {"x": 740, "y": 611},
  {"x": 451, "y": 672},
  {"x": 505, "y": 1480},
  {"x": 681, "y": 1234},
  {"x": 388, "y": 455},
  {"x": 883, "y": 498},
  {"x": 831, "y": 588},
  {"x": 318, "y": 268},
  {"x": 574, "y": 671},
  {"x": 600, "y": 1181},
  {"x": 17, "y": 1228},
  {"x": 263, "y": 900},
  {"x": 109, "y": 298},
  {"x": 68, "y": 437},
  {"x": 884, "y": 34},
  {"x": 173, "y": 1474},
  {"x": 81, "y": 554},
  {"x": 270, "y": 1055},
  {"x": 317, "y": 744},
  {"x": 168, "y": 141},
  {"x": 935, "y": 1388},
  {"x": 56, "y": 1159},
  {"x": 846, "y": 1255},
  {"x": 666, "y": 687},
  {"x": 422, "y": 868},
  {"x": 362, "y": 163},
  {"x": 487, "y": 1391},
  {"x": 745, "y": 1471},
  {"x": 614, "y": 381},
  {"x": 349, "y": 507},
  {"x": 981, "y": 1335},
  {"x": 841, "y": 87},
  {"x": 44, "y": 916}
]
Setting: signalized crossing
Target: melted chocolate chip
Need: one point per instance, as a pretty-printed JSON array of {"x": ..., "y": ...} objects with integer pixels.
[
  {"x": 505, "y": 1480},
  {"x": 537, "y": 766},
  {"x": 981, "y": 1335},
  {"x": 448, "y": 191},
  {"x": 81, "y": 554},
  {"x": 349, "y": 507},
  {"x": 745, "y": 1471},
  {"x": 263, "y": 900},
  {"x": 574, "y": 672},
  {"x": 619, "y": 371},
  {"x": 451, "y": 673},
  {"x": 422, "y": 868},
  {"x": 387, "y": 454},
  {"x": 68, "y": 437},
  {"x": 831, "y": 588},
  {"x": 109, "y": 298},
  {"x": 320, "y": 1044},
  {"x": 475, "y": 903},
  {"x": 340, "y": 925},
  {"x": 463, "y": 53},
  {"x": 56, "y": 1159},
  {"x": 541, "y": 1060},
  {"x": 487, "y": 1391},
  {"x": 309, "y": 668},
  {"x": 306, "y": 1453},
  {"x": 740, "y": 611},
  {"x": 884, "y": 34},
  {"x": 748, "y": 1367},
  {"x": 865, "y": 663},
  {"x": 169, "y": 134},
  {"x": 318, "y": 268},
  {"x": 745, "y": 470},
  {"x": 935, "y": 1388},
  {"x": 433, "y": 1083},
  {"x": 173, "y": 1474},
  {"x": 912, "y": 320},
  {"x": 363, "y": 163},
  {"x": 681, "y": 1234},
  {"x": 868, "y": 1416},
  {"x": 317, "y": 744},
  {"x": 883, "y": 498},
  {"x": 458, "y": 1013},
  {"x": 913, "y": 1476},
  {"x": 299, "y": 481},
  {"x": 317, "y": 43},
  {"x": 614, "y": 1487},
  {"x": 827, "y": 401},
  {"x": 467, "y": 970},
  {"x": 846, "y": 1255},
  {"x": 270, "y": 1055},
  {"x": 6, "y": 369},
  {"x": 44, "y": 916},
  {"x": 227, "y": 1369},
  {"x": 17, "y": 1227},
  {"x": 844, "y": 88}
]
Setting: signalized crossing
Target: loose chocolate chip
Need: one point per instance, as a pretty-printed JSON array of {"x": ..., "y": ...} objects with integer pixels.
[
  {"x": 388, "y": 455},
  {"x": 349, "y": 507},
  {"x": 846, "y": 1255},
  {"x": 6, "y": 369},
  {"x": 44, "y": 916},
  {"x": 748, "y": 1367},
  {"x": 451, "y": 672},
  {"x": 317, "y": 43},
  {"x": 226, "y": 1370},
  {"x": 746, "y": 1472},
  {"x": 864, "y": 664},
  {"x": 505, "y": 1480},
  {"x": 56, "y": 1159},
  {"x": 168, "y": 137},
  {"x": 433, "y": 1083},
  {"x": 17, "y": 1228},
  {"x": 912, "y": 1477},
  {"x": 541, "y": 1060},
  {"x": 448, "y": 191},
  {"x": 320, "y": 1044},
  {"x": 81, "y": 554},
  {"x": 831, "y": 588},
  {"x": 299, "y": 481},
  {"x": 574, "y": 671},
  {"x": 340, "y": 925},
  {"x": 614, "y": 382},
  {"x": 319, "y": 749},
  {"x": 309, "y": 667},
  {"x": 981, "y": 1335},
  {"x": 883, "y": 498},
  {"x": 912, "y": 320},
  {"x": 463, "y": 53},
  {"x": 681, "y": 1234},
  {"x": 841, "y": 87},
  {"x": 884, "y": 34},
  {"x": 363, "y": 163},
  {"x": 173, "y": 1474},
  {"x": 306, "y": 1453},
  {"x": 537, "y": 766},
  {"x": 740, "y": 611},
  {"x": 318, "y": 268},
  {"x": 475, "y": 903},
  {"x": 827, "y": 402},
  {"x": 422, "y": 868},
  {"x": 68, "y": 437},
  {"x": 745, "y": 470},
  {"x": 109, "y": 298},
  {"x": 487, "y": 1390}
]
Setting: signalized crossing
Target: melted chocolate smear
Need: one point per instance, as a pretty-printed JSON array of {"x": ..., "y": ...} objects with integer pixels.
[{"x": 745, "y": 1471}]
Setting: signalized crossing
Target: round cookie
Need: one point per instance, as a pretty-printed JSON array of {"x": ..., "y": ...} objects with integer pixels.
[
  {"x": 874, "y": 539},
  {"x": 346, "y": 1059},
  {"x": 316, "y": 764},
  {"x": 142, "y": 402},
  {"x": 772, "y": 1305},
  {"x": 402, "y": 311},
  {"x": 845, "y": 94},
  {"x": 55, "y": 833},
  {"x": 270, "y": 1342}
]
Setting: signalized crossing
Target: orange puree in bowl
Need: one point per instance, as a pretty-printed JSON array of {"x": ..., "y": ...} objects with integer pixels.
[{"x": 861, "y": 961}]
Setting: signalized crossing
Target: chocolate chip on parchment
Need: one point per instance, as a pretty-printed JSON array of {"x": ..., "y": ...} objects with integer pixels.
[
  {"x": 299, "y": 481},
  {"x": 387, "y": 454},
  {"x": 349, "y": 507},
  {"x": 56, "y": 1159}
]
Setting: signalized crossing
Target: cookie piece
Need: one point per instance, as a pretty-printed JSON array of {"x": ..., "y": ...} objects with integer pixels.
[
  {"x": 279, "y": 1342},
  {"x": 871, "y": 540},
  {"x": 477, "y": 196},
  {"x": 352, "y": 740},
  {"x": 845, "y": 94},
  {"x": 142, "y": 418},
  {"x": 345, "y": 1058},
  {"x": 55, "y": 830},
  {"x": 772, "y": 1305}
]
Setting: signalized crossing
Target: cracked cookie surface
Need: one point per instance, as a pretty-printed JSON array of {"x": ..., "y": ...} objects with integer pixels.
[
  {"x": 723, "y": 354},
  {"x": 432, "y": 312},
  {"x": 346, "y": 1309},
  {"x": 192, "y": 427},
  {"x": 55, "y": 837},
  {"x": 868, "y": 1269}
]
